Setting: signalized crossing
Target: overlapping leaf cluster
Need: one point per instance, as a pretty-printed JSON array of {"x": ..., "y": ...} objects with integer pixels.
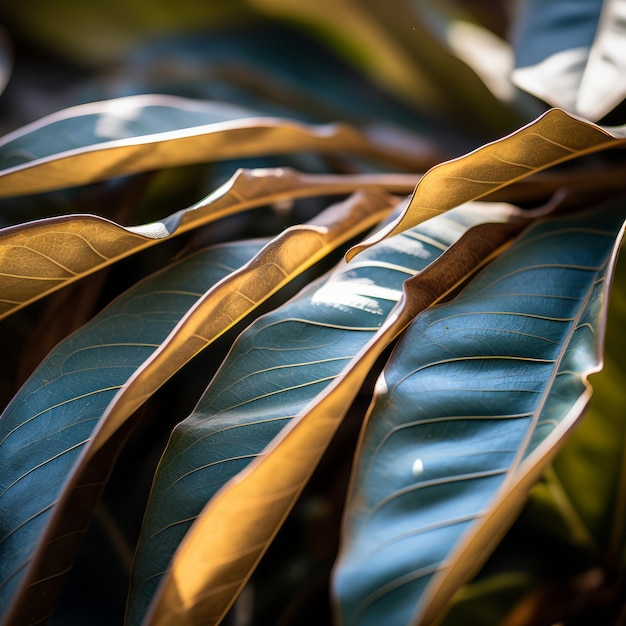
[{"x": 359, "y": 230}]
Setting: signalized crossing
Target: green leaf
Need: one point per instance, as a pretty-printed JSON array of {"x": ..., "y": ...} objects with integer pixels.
[
  {"x": 489, "y": 600},
  {"x": 572, "y": 55},
  {"x": 44, "y": 429},
  {"x": 257, "y": 392},
  {"x": 100, "y": 140},
  {"x": 105, "y": 31},
  {"x": 408, "y": 61},
  {"x": 473, "y": 404},
  {"x": 87, "y": 462},
  {"x": 40, "y": 257},
  {"x": 553, "y": 138}
]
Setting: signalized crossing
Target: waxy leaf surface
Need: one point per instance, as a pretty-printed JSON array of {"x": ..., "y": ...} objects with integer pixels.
[
  {"x": 37, "y": 258},
  {"x": 48, "y": 423},
  {"x": 278, "y": 366},
  {"x": 472, "y": 405},
  {"x": 572, "y": 54},
  {"x": 553, "y": 138},
  {"x": 97, "y": 141},
  {"x": 219, "y": 309}
]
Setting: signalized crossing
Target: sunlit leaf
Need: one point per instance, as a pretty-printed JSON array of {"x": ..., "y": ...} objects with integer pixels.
[
  {"x": 475, "y": 401},
  {"x": 101, "y": 140},
  {"x": 259, "y": 391},
  {"x": 572, "y": 54},
  {"x": 40, "y": 257},
  {"x": 553, "y": 138},
  {"x": 552, "y": 41},
  {"x": 77, "y": 469}
]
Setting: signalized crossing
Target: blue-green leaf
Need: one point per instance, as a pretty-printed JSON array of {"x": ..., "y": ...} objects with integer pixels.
[
  {"x": 280, "y": 364},
  {"x": 589, "y": 472},
  {"x": 44, "y": 429},
  {"x": 571, "y": 54},
  {"x": 472, "y": 405},
  {"x": 102, "y": 140},
  {"x": 88, "y": 459}
]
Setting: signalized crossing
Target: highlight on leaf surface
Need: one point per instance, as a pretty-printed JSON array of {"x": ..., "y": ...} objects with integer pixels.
[
  {"x": 42, "y": 556},
  {"x": 97, "y": 141},
  {"x": 474, "y": 402},
  {"x": 553, "y": 138},
  {"x": 291, "y": 398},
  {"x": 581, "y": 69},
  {"x": 37, "y": 258}
]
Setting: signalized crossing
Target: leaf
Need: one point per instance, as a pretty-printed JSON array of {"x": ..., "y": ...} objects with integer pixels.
[
  {"x": 589, "y": 472},
  {"x": 488, "y": 600},
  {"x": 474, "y": 402},
  {"x": 554, "y": 137},
  {"x": 77, "y": 469},
  {"x": 100, "y": 140},
  {"x": 40, "y": 257},
  {"x": 275, "y": 69},
  {"x": 572, "y": 55},
  {"x": 396, "y": 45},
  {"x": 105, "y": 32},
  {"x": 45, "y": 427},
  {"x": 303, "y": 385}
]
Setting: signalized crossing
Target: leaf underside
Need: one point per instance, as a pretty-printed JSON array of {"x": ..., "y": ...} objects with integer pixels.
[
  {"x": 553, "y": 138},
  {"x": 37, "y": 258},
  {"x": 33, "y": 526},
  {"x": 254, "y": 396}
]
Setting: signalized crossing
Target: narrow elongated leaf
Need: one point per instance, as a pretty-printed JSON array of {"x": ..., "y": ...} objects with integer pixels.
[
  {"x": 36, "y": 532},
  {"x": 474, "y": 402},
  {"x": 96, "y": 141},
  {"x": 409, "y": 61},
  {"x": 40, "y": 257},
  {"x": 46, "y": 425},
  {"x": 553, "y": 138},
  {"x": 258, "y": 392}
]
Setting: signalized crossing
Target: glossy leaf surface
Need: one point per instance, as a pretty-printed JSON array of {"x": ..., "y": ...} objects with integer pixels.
[
  {"x": 40, "y": 257},
  {"x": 590, "y": 470},
  {"x": 473, "y": 403},
  {"x": 220, "y": 308},
  {"x": 254, "y": 396},
  {"x": 101, "y": 140},
  {"x": 46, "y": 426},
  {"x": 553, "y": 138},
  {"x": 572, "y": 54}
]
